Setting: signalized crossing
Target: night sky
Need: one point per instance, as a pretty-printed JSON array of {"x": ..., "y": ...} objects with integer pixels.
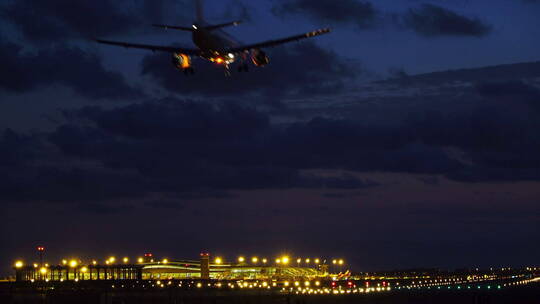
[{"x": 409, "y": 137}]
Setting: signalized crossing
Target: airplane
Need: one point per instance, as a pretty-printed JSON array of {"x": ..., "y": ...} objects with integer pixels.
[{"x": 215, "y": 45}]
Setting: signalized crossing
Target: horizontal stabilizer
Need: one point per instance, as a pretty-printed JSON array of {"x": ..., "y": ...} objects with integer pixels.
[
  {"x": 218, "y": 26},
  {"x": 173, "y": 27}
]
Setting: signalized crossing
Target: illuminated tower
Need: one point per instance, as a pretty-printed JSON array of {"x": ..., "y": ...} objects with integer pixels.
[{"x": 205, "y": 266}]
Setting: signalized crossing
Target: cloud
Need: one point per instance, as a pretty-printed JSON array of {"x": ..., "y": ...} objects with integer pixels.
[
  {"x": 190, "y": 150},
  {"x": 60, "y": 20},
  {"x": 511, "y": 92},
  {"x": 490, "y": 74},
  {"x": 72, "y": 67},
  {"x": 302, "y": 69},
  {"x": 432, "y": 21},
  {"x": 360, "y": 13}
]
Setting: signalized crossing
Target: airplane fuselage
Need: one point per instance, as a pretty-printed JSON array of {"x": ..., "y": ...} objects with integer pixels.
[{"x": 214, "y": 45}]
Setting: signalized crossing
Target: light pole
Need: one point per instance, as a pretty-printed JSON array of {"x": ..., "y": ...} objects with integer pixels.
[{"x": 41, "y": 250}]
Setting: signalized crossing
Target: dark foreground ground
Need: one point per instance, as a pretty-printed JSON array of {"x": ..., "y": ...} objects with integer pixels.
[{"x": 520, "y": 295}]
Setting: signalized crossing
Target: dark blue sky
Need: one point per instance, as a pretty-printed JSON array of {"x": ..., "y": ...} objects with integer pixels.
[{"x": 408, "y": 137}]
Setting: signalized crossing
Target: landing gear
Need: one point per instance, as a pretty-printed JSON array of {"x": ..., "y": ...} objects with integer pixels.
[
  {"x": 189, "y": 71},
  {"x": 227, "y": 71},
  {"x": 243, "y": 68}
]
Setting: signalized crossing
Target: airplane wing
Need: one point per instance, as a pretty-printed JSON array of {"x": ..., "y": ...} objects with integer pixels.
[
  {"x": 272, "y": 43},
  {"x": 169, "y": 49}
]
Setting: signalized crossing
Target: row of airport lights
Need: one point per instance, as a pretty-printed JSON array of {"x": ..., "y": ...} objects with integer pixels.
[{"x": 284, "y": 260}]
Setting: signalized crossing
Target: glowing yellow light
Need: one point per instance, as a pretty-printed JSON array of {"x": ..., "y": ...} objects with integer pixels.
[
  {"x": 340, "y": 262},
  {"x": 286, "y": 283},
  {"x": 306, "y": 283},
  {"x": 94, "y": 262},
  {"x": 107, "y": 262},
  {"x": 218, "y": 261},
  {"x": 296, "y": 283},
  {"x": 278, "y": 261},
  {"x": 298, "y": 261},
  {"x": 84, "y": 269},
  {"x": 140, "y": 260},
  {"x": 334, "y": 262},
  {"x": 241, "y": 259},
  {"x": 73, "y": 263},
  {"x": 317, "y": 261},
  {"x": 285, "y": 260},
  {"x": 308, "y": 260},
  {"x": 126, "y": 260},
  {"x": 165, "y": 261},
  {"x": 264, "y": 260},
  {"x": 35, "y": 265},
  {"x": 112, "y": 260},
  {"x": 43, "y": 270},
  {"x": 317, "y": 283},
  {"x": 254, "y": 259}
]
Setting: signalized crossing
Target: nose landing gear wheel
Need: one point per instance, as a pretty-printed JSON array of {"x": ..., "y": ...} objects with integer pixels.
[{"x": 227, "y": 71}]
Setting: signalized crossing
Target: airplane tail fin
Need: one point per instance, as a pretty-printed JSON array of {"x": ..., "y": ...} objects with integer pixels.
[{"x": 199, "y": 6}]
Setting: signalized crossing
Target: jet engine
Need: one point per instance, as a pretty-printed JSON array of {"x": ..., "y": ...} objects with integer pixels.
[
  {"x": 181, "y": 61},
  {"x": 259, "y": 58}
]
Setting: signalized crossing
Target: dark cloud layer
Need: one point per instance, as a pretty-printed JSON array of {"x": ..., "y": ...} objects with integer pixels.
[
  {"x": 72, "y": 67},
  {"x": 431, "y": 21},
  {"x": 302, "y": 69},
  {"x": 360, "y": 13},
  {"x": 184, "y": 148}
]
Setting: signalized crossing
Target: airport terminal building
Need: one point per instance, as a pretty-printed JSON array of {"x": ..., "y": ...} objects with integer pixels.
[{"x": 149, "y": 268}]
